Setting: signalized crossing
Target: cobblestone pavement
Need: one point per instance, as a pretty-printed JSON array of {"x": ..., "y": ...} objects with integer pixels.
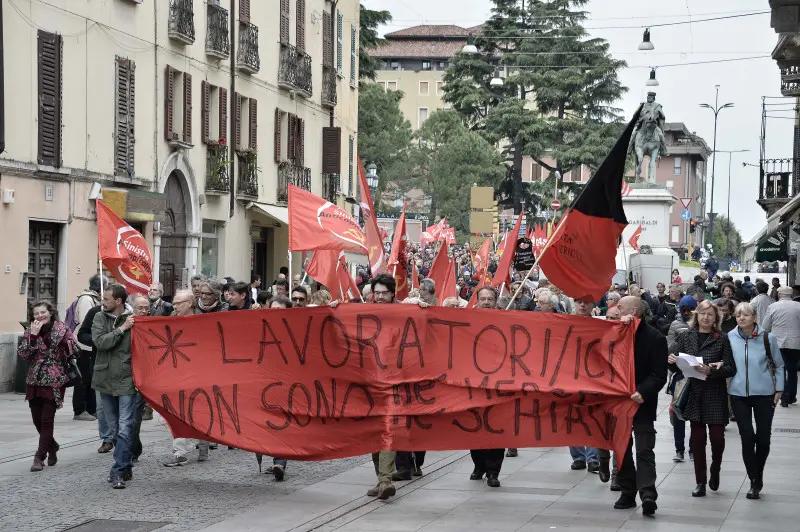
[{"x": 75, "y": 490}]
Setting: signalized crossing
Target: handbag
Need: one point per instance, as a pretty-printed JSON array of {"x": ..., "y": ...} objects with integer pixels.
[
  {"x": 74, "y": 376},
  {"x": 681, "y": 397},
  {"x": 770, "y": 361}
]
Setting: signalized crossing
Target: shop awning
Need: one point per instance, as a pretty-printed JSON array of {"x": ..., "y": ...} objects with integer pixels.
[
  {"x": 279, "y": 214},
  {"x": 774, "y": 244}
]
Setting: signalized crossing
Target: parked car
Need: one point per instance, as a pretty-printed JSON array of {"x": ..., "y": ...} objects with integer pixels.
[{"x": 768, "y": 267}]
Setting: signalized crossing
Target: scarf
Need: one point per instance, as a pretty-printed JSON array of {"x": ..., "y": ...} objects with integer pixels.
[{"x": 209, "y": 308}]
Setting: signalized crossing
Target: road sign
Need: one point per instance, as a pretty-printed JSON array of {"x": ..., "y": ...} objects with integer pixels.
[
  {"x": 686, "y": 215},
  {"x": 555, "y": 204},
  {"x": 686, "y": 202}
]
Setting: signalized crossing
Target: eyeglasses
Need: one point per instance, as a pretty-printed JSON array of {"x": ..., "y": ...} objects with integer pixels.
[
  {"x": 206, "y": 293},
  {"x": 381, "y": 292},
  {"x": 298, "y": 299}
]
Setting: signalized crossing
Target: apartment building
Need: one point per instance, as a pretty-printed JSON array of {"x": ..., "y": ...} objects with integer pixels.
[{"x": 193, "y": 116}]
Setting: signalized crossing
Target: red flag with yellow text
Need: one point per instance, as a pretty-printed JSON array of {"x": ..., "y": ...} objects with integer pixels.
[
  {"x": 316, "y": 224},
  {"x": 123, "y": 250}
]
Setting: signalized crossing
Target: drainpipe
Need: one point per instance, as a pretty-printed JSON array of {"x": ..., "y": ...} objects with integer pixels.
[
  {"x": 2, "y": 87},
  {"x": 231, "y": 111},
  {"x": 334, "y": 44}
]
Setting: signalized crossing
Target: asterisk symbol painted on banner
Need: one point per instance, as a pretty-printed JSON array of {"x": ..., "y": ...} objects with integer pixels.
[{"x": 171, "y": 346}]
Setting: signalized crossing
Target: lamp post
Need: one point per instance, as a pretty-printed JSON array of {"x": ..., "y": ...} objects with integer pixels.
[
  {"x": 728, "y": 210},
  {"x": 716, "y": 108},
  {"x": 372, "y": 180}
]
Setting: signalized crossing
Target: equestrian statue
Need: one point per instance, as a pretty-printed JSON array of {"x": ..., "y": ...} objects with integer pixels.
[{"x": 648, "y": 138}]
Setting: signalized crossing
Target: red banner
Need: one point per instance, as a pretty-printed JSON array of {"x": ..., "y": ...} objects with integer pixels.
[
  {"x": 123, "y": 251},
  {"x": 315, "y": 223},
  {"x": 319, "y": 383}
]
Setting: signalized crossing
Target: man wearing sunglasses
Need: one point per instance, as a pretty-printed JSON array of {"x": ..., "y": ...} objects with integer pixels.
[{"x": 299, "y": 297}]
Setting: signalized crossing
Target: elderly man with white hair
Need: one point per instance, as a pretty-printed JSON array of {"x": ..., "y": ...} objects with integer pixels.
[{"x": 783, "y": 320}]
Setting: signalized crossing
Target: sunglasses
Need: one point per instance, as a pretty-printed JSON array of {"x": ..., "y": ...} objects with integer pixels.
[{"x": 298, "y": 299}]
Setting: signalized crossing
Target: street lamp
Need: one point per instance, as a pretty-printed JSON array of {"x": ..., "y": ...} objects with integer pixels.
[
  {"x": 728, "y": 211},
  {"x": 470, "y": 47},
  {"x": 716, "y": 108},
  {"x": 372, "y": 178},
  {"x": 646, "y": 44},
  {"x": 496, "y": 81},
  {"x": 652, "y": 81}
]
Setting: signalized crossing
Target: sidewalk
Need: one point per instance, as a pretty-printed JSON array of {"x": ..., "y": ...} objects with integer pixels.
[{"x": 539, "y": 491}]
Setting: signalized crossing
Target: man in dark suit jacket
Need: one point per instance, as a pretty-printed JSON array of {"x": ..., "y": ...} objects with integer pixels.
[{"x": 650, "y": 361}]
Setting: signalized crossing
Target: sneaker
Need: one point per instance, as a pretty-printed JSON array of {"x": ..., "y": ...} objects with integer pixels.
[
  {"x": 176, "y": 461},
  {"x": 117, "y": 483},
  {"x": 202, "y": 455},
  {"x": 386, "y": 490},
  {"x": 105, "y": 448},
  {"x": 577, "y": 465},
  {"x": 277, "y": 471},
  {"x": 678, "y": 457},
  {"x": 84, "y": 416},
  {"x": 594, "y": 467}
]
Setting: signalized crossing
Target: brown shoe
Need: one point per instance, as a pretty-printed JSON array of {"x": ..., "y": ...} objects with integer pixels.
[
  {"x": 37, "y": 464},
  {"x": 386, "y": 490},
  {"x": 147, "y": 415},
  {"x": 52, "y": 459},
  {"x": 373, "y": 492},
  {"x": 106, "y": 447}
]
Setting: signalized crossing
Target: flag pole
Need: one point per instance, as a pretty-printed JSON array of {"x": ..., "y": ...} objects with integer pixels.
[
  {"x": 289, "y": 254},
  {"x": 625, "y": 258},
  {"x": 100, "y": 262}
]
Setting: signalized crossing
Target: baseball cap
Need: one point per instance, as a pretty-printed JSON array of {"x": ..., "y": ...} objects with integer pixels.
[{"x": 687, "y": 302}]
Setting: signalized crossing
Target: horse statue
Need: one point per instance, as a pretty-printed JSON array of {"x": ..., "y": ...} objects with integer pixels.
[{"x": 648, "y": 138}]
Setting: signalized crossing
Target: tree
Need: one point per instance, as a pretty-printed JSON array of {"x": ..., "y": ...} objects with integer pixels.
[
  {"x": 446, "y": 159},
  {"x": 369, "y": 39},
  {"x": 722, "y": 224},
  {"x": 555, "y": 102},
  {"x": 383, "y": 132}
]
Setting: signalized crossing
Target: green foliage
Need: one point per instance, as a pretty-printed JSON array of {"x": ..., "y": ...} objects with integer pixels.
[
  {"x": 721, "y": 225},
  {"x": 555, "y": 104},
  {"x": 368, "y": 38}
]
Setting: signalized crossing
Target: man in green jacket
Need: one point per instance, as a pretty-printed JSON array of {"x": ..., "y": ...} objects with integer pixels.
[{"x": 113, "y": 377}]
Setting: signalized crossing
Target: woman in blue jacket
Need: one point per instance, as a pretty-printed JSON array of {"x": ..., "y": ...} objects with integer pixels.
[{"x": 755, "y": 390}]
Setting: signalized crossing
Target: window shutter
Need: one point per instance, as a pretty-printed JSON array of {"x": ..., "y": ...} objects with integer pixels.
[
  {"x": 187, "y": 108},
  {"x": 327, "y": 45},
  {"x": 244, "y": 11},
  {"x": 131, "y": 113},
  {"x": 278, "y": 116},
  {"x": 351, "y": 147},
  {"x": 205, "y": 114},
  {"x": 237, "y": 120},
  {"x": 49, "y": 72},
  {"x": 285, "y": 18},
  {"x": 301, "y": 141},
  {"x": 223, "y": 113},
  {"x": 331, "y": 150},
  {"x": 339, "y": 37},
  {"x": 301, "y": 26},
  {"x": 353, "y": 45},
  {"x": 290, "y": 145},
  {"x": 253, "y": 133},
  {"x": 169, "y": 101},
  {"x": 121, "y": 117}
]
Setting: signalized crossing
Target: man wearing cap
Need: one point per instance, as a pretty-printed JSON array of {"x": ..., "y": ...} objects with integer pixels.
[{"x": 783, "y": 320}]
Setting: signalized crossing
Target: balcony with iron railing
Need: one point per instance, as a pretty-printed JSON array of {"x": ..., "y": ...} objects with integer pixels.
[
  {"x": 294, "y": 70},
  {"x": 790, "y": 80},
  {"x": 181, "y": 21},
  {"x": 217, "y": 36},
  {"x": 330, "y": 186},
  {"x": 289, "y": 173},
  {"x": 777, "y": 183},
  {"x": 247, "y": 58},
  {"x": 328, "y": 86},
  {"x": 217, "y": 174},
  {"x": 248, "y": 174}
]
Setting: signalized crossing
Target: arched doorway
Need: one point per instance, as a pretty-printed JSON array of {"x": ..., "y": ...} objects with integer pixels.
[{"x": 173, "y": 237}]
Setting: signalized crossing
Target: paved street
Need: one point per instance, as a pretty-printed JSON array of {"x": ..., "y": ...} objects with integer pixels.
[{"x": 539, "y": 491}]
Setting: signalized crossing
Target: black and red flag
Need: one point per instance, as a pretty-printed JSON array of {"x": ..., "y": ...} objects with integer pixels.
[{"x": 580, "y": 257}]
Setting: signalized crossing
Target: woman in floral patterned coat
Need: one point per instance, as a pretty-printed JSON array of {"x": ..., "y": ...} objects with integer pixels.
[{"x": 47, "y": 345}]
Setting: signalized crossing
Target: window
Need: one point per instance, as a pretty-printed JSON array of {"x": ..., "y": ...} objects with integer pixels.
[
  {"x": 670, "y": 183},
  {"x": 294, "y": 144},
  {"x": 339, "y": 33},
  {"x": 394, "y": 65},
  {"x": 209, "y": 255},
  {"x": 124, "y": 117},
  {"x": 676, "y": 168},
  {"x": 423, "y": 88},
  {"x": 439, "y": 88},
  {"x": 353, "y": 48},
  {"x": 327, "y": 43},
  {"x": 50, "y": 48},
  {"x": 676, "y": 234},
  {"x": 391, "y": 85},
  {"x": 536, "y": 172},
  {"x": 213, "y": 113},
  {"x": 426, "y": 65},
  {"x": 245, "y": 123},
  {"x": 442, "y": 65},
  {"x": 423, "y": 116},
  {"x": 382, "y": 84},
  {"x": 178, "y": 108},
  {"x": 351, "y": 149},
  {"x": 300, "y": 35}
]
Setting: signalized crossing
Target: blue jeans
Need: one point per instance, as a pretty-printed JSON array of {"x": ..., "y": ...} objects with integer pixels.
[
  {"x": 587, "y": 454},
  {"x": 120, "y": 413},
  {"x": 106, "y": 432}
]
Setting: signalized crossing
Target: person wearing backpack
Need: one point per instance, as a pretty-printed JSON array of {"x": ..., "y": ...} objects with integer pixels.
[{"x": 84, "y": 399}]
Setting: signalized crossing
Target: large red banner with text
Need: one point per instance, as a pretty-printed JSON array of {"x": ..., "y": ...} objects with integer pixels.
[{"x": 321, "y": 383}]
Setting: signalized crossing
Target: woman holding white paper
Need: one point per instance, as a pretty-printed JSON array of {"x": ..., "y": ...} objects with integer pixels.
[
  {"x": 708, "y": 399},
  {"x": 755, "y": 390}
]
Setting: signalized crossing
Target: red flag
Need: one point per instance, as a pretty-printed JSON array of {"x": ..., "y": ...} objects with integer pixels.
[
  {"x": 398, "y": 262},
  {"x": 440, "y": 269},
  {"x": 436, "y": 229},
  {"x": 481, "y": 270},
  {"x": 123, "y": 251},
  {"x": 580, "y": 257},
  {"x": 502, "y": 246},
  {"x": 503, "y": 273},
  {"x": 426, "y": 238},
  {"x": 316, "y": 224},
  {"x": 374, "y": 238},
  {"x": 448, "y": 236},
  {"x": 634, "y": 239},
  {"x": 448, "y": 288},
  {"x": 539, "y": 239},
  {"x": 328, "y": 267}
]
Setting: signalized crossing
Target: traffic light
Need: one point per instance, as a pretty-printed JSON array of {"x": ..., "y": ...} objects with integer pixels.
[{"x": 692, "y": 226}]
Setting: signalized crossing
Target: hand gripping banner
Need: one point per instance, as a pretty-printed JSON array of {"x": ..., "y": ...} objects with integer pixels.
[{"x": 321, "y": 383}]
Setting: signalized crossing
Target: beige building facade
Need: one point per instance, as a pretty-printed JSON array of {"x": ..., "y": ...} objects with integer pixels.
[{"x": 192, "y": 116}]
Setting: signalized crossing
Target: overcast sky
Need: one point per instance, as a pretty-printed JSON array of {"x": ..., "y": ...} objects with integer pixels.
[{"x": 683, "y": 87}]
